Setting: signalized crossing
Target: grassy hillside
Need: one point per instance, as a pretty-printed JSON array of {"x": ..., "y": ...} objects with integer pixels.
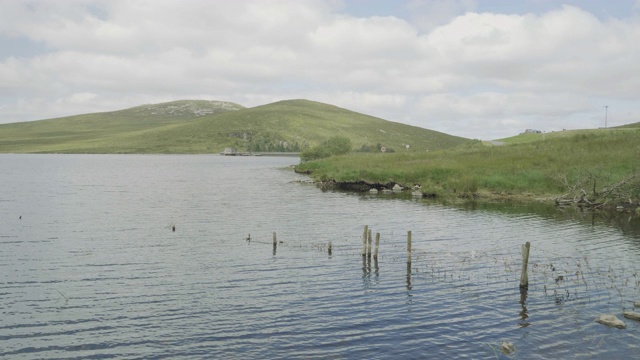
[
  {"x": 592, "y": 161},
  {"x": 99, "y": 132},
  {"x": 282, "y": 126},
  {"x": 294, "y": 124},
  {"x": 527, "y": 138},
  {"x": 629, "y": 126}
]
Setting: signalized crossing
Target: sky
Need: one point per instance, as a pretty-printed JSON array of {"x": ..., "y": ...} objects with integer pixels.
[{"x": 482, "y": 69}]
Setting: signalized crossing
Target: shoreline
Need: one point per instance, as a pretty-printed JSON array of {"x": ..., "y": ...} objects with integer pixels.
[{"x": 363, "y": 186}]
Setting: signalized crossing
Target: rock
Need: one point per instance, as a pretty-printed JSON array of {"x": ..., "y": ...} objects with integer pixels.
[
  {"x": 373, "y": 191},
  {"x": 611, "y": 320},
  {"x": 636, "y": 304},
  {"x": 631, "y": 315},
  {"x": 397, "y": 188},
  {"x": 507, "y": 348}
]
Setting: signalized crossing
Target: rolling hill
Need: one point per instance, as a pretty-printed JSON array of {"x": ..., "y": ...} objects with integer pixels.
[
  {"x": 87, "y": 133},
  {"x": 629, "y": 126},
  {"x": 209, "y": 127}
]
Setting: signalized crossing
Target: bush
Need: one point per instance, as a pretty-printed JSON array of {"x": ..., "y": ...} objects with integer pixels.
[{"x": 337, "y": 145}]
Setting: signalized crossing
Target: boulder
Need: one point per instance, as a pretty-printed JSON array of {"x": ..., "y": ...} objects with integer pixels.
[
  {"x": 636, "y": 304},
  {"x": 397, "y": 188},
  {"x": 611, "y": 320},
  {"x": 373, "y": 191},
  {"x": 507, "y": 348},
  {"x": 631, "y": 315}
]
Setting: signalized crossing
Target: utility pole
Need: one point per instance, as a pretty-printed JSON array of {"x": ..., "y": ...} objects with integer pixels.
[{"x": 606, "y": 113}]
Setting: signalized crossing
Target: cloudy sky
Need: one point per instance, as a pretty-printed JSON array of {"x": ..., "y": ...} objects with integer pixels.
[{"x": 481, "y": 69}]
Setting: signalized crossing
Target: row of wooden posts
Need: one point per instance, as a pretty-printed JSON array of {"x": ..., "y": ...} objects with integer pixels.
[
  {"x": 366, "y": 251},
  {"x": 367, "y": 240}
]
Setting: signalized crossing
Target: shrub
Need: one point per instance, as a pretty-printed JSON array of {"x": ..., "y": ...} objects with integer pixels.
[{"x": 337, "y": 145}]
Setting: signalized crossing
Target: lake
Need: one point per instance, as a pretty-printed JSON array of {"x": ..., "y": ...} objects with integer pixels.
[{"x": 90, "y": 267}]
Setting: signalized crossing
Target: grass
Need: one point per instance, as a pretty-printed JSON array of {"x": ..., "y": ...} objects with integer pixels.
[
  {"x": 123, "y": 131},
  {"x": 527, "y": 138},
  {"x": 523, "y": 166},
  {"x": 174, "y": 128}
]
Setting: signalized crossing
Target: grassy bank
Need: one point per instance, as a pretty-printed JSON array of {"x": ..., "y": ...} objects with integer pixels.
[{"x": 547, "y": 167}]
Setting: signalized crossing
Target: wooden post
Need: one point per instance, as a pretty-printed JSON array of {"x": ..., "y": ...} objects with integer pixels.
[
  {"x": 524, "y": 277},
  {"x": 275, "y": 243},
  {"x": 329, "y": 247},
  {"x": 375, "y": 252},
  {"x": 369, "y": 244},
  {"x": 364, "y": 240},
  {"x": 409, "y": 246}
]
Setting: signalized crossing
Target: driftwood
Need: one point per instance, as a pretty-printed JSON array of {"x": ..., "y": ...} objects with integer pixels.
[
  {"x": 606, "y": 192},
  {"x": 596, "y": 199}
]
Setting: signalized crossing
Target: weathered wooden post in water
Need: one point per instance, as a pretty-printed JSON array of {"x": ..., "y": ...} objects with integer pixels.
[
  {"x": 329, "y": 247},
  {"x": 409, "y": 247},
  {"x": 375, "y": 252},
  {"x": 364, "y": 240},
  {"x": 275, "y": 243},
  {"x": 524, "y": 277}
]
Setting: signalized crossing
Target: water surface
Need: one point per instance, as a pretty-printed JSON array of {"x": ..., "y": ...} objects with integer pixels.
[{"x": 90, "y": 268}]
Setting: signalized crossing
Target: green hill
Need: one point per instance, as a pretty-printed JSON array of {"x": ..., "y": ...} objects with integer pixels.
[
  {"x": 201, "y": 127},
  {"x": 565, "y": 134},
  {"x": 98, "y": 132},
  {"x": 629, "y": 126}
]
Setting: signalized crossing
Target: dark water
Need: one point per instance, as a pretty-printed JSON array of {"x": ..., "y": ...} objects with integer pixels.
[{"x": 93, "y": 270}]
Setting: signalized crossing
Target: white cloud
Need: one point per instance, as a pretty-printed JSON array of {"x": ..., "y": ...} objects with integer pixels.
[{"x": 447, "y": 68}]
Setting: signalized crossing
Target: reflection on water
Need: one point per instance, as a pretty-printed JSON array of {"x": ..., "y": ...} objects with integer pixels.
[
  {"x": 627, "y": 223},
  {"x": 409, "y": 276},
  {"x": 90, "y": 267},
  {"x": 523, "y": 302}
]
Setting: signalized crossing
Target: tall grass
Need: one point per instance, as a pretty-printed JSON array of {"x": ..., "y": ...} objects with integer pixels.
[{"x": 535, "y": 167}]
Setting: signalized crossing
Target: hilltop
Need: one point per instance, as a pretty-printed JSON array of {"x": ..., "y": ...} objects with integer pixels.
[
  {"x": 209, "y": 127},
  {"x": 179, "y": 109}
]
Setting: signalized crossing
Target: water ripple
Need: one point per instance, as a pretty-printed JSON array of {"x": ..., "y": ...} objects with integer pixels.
[{"x": 93, "y": 270}]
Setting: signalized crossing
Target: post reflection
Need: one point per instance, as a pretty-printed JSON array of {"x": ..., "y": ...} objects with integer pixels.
[
  {"x": 376, "y": 269},
  {"x": 366, "y": 267},
  {"x": 409, "y": 287},
  {"x": 524, "y": 313}
]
